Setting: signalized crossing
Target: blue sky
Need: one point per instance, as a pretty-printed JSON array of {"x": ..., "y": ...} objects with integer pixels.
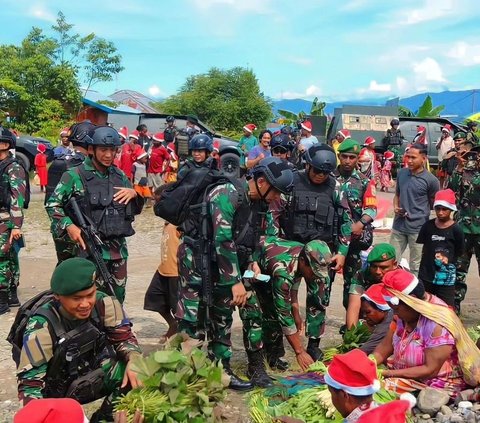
[{"x": 333, "y": 49}]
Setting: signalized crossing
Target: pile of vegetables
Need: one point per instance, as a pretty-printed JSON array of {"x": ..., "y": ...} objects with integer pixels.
[
  {"x": 352, "y": 338},
  {"x": 178, "y": 387},
  {"x": 474, "y": 333}
]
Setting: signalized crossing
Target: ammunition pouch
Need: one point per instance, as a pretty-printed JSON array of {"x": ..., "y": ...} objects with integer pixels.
[{"x": 87, "y": 388}]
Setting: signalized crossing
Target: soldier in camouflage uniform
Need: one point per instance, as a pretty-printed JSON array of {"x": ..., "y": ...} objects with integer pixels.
[
  {"x": 393, "y": 141},
  {"x": 269, "y": 179},
  {"x": 316, "y": 211},
  {"x": 465, "y": 182},
  {"x": 12, "y": 196},
  {"x": 381, "y": 259},
  {"x": 44, "y": 370},
  {"x": 104, "y": 194},
  {"x": 359, "y": 192},
  {"x": 287, "y": 262}
]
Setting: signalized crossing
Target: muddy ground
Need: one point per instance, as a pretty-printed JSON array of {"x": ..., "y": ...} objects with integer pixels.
[{"x": 38, "y": 261}]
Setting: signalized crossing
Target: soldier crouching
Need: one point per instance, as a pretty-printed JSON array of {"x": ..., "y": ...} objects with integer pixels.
[{"x": 79, "y": 344}]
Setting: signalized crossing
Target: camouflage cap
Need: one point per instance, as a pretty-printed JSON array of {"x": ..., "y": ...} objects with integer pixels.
[
  {"x": 73, "y": 275},
  {"x": 381, "y": 252},
  {"x": 318, "y": 255},
  {"x": 349, "y": 146}
]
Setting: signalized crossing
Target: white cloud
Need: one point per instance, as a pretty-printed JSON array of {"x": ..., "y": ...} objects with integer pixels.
[
  {"x": 313, "y": 90},
  {"x": 464, "y": 54},
  {"x": 39, "y": 11},
  {"x": 428, "y": 70},
  {"x": 310, "y": 92},
  {"x": 375, "y": 86},
  {"x": 155, "y": 91},
  {"x": 431, "y": 10}
]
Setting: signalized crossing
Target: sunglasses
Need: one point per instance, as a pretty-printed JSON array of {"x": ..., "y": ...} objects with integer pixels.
[
  {"x": 319, "y": 172},
  {"x": 279, "y": 150}
]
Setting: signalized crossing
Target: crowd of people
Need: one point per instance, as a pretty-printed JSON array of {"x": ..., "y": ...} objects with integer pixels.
[{"x": 302, "y": 211}]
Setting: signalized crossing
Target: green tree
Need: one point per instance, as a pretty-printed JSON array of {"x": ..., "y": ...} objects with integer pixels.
[
  {"x": 316, "y": 109},
  {"x": 425, "y": 110},
  {"x": 224, "y": 99}
]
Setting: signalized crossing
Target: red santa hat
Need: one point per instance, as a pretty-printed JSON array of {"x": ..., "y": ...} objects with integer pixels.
[
  {"x": 307, "y": 125},
  {"x": 41, "y": 148},
  {"x": 445, "y": 198},
  {"x": 391, "y": 412},
  {"x": 141, "y": 154},
  {"x": 64, "y": 132},
  {"x": 159, "y": 136},
  {"x": 353, "y": 373},
  {"x": 135, "y": 134},
  {"x": 374, "y": 294},
  {"x": 56, "y": 410},
  {"x": 447, "y": 128},
  {"x": 369, "y": 141},
  {"x": 123, "y": 132},
  {"x": 400, "y": 280},
  {"x": 345, "y": 133},
  {"x": 388, "y": 155},
  {"x": 216, "y": 146},
  {"x": 249, "y": 127},
  {"x": 171, "y": 147}
]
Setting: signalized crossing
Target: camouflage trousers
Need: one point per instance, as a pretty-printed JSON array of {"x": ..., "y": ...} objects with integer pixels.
[
  {"x": 65, "y": 249},
  {"x": 216, "y": 322},
  {"x": 9, "y": 264},
  {"x": 118, "y": 269},
  {"x": 472, "y": 246},
  {"x": 353, "y": 263},
  {"x": 318, "y": 299}
]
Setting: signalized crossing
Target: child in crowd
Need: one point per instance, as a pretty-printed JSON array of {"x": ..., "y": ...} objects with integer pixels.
[
  {"x": 139, "y": 175},
  {"x": 443, "y": 242},
  {"x": 171, "y": 165},
  {"x": 162, "y": 294},
  {"x": 378, "y": 163},
  {"x": 386, "y": 172},
  {"x": 377, "y": 314},
  {"x": 41, "y": 166}
]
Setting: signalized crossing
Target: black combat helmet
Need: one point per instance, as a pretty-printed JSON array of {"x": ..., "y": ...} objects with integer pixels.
[
  {"x": 277, "y": 173},
  {"x": 287, "y": 130},
  {"x": 170, "y": 119},
  {"x": 321, "y": 157},
  {"x": 281, "y": 140},
  {"x": 201, "y": 142},
  {"x": 8, "y": 136},
  {"x": 394, "y": 121},
  {"x": 79, "y": 133},
  {"x": 106, "y": 136}
]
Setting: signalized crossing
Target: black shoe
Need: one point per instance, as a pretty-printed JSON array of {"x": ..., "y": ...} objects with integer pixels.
[
  {"x": 313, "y": 350},
  {"x": 13, "y": 300},
  {"x": 104, "y": 413},
  {"x": 4, "y": 302},
  {"x": 236, "y": 383},
  {"x": 256, "y": 370},
  {"x": 342, "y": 329},
  {"x": 278, "y": 363}
]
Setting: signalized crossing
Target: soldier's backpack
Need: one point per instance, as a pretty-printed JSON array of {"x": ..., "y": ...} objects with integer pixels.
[
  {"x": 4, "y": 191},
  {"x": 176, "y": 201}
]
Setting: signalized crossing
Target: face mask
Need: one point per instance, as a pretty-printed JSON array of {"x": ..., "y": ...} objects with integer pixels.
[{"x": 438, "y": 262}]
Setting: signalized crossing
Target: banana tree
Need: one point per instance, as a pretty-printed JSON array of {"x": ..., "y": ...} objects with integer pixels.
[
  {"x": 425, "y": 110},
  {"x": 318, "y": 108}
]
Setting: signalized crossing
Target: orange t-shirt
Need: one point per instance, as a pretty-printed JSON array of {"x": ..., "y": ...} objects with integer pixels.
[{"x": 170, "y": 241}]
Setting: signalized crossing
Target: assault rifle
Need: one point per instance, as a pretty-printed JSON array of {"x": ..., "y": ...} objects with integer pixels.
[
  {"x": 334, "y": 247},
  {"x": 93, "y": 243}
]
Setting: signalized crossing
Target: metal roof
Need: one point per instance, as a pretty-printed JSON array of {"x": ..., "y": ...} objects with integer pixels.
[{"x": 95, "y": 99}]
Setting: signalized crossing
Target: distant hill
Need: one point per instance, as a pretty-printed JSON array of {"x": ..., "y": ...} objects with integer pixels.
[{"x": 457, "y": 103}]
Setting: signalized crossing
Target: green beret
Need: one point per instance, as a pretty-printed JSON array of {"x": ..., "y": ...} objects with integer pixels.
[
  {"x": 381, "y": 252},
  {"x": 318, "y": 255},
  {"x": 460, "y": 135},
  {"x": 349, "y": 146},
  {"x": 73, "y": 275}
]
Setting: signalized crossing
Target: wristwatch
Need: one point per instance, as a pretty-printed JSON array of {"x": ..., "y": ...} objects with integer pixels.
[{"x": 364, "y": 222}]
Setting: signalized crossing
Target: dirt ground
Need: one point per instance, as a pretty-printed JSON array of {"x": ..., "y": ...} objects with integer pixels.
[{"x": 38, "y": 261}]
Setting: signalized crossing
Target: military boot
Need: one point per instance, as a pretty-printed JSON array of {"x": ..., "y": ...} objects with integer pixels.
[
  {"x": 236, "y": 383},
  {"x": 4, "y": 301},
  {"x": 256, "y": 370},
  {"x": 313, "y": 350},
  {"x": 13, "y": 300},
  {"x": 104, "y": 413}
]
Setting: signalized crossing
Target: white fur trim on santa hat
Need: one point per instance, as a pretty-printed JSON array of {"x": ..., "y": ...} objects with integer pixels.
[
  {"x": 384, "y": 307},
  {"x": 446, "y": 204},
  {"x": 411, "y": 286},
  {"x": 407, "y": 396},
  {"x": 307, "y": 128},
  {"x": 357, "y": 390}
]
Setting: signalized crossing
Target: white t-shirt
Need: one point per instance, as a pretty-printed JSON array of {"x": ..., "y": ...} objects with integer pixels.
[{"x": 307, "y": 142}]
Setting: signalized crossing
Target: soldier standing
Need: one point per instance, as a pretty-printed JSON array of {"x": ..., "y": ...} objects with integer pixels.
[
  {"x": 316, "y": 211},
  {"x": 106, "y": 197},
  {"x": 465, "y": 182},
  {"x": 13, "y": 189},
  {"x": 393, "y": 140},
  {"x": 81, "y": 315},
  {"x": 359, "y": 193},
  {"x": 225, "y": 201},
  {"x": 471, "y": 132}
]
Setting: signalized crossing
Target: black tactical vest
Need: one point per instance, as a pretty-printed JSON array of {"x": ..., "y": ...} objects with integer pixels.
[
  {"x": 58, "y": 167},
  {"x": 393, "y": 138},
  {"x": 111, "y": 219},
  {"x": 310, "y": 212}
]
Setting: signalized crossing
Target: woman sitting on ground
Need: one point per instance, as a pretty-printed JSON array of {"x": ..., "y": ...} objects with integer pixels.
[{"x": 427, "y": 344}]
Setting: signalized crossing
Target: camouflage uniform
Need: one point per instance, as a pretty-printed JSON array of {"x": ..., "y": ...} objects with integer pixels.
[
  {"x": 466, "y": 186},
  {"x": 361, "y": 281},
  {"x": 39, "y": 347},
  {"x": 279, "y": 259},
  {"x": 360, "y": 194},
  {"x": 226, "y": 273},
  {"x": 114, "y": 251},
  {"x": 13, "y": 179}
]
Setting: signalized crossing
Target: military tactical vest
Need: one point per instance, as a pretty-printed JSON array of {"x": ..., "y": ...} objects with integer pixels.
[
  {"x": 110, "y": 218},
  {"x": 393, "y": 138},
  {"x": 58, "y": 167},
  {"x": 310, "y": 213}
]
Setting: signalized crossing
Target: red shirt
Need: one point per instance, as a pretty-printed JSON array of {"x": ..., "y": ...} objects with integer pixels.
[
  {"x": 158, "y": 155},
  {"x": 128, "y": 157}
]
